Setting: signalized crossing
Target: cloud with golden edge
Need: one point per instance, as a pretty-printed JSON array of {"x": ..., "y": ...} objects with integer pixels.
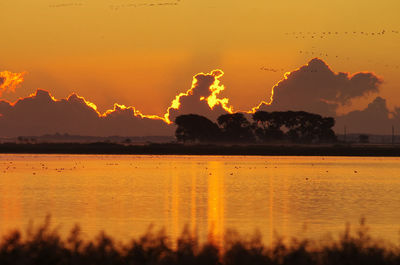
[
  {"x": 41, "y": 113},
  {"x": 202, "y": 98},
  {"x": 315, "y": 87},
  {"x": 9, "y": 81},
  {"x": 271, "y": 97}
]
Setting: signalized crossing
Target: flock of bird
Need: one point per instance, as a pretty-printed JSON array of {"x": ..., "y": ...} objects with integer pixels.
[
  {"x": 275, "y": 70},
  {"x": 11, "y": 166},
  {"x": 283, "y": 70},
  {"x": 326, "y": 34},
  {"x": 295, "y": 34},
  {"x": 71, "y": 4},
  {"x": 116, "y": 7},
  {"x": 336, "y": 56},
  {"x": 322, "y": 54}
]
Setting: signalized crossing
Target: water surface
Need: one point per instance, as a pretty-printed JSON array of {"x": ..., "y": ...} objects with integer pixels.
[{"x": 123, "y": 195}]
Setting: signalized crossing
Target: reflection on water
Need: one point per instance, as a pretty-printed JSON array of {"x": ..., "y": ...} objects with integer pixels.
[
  {"x": 123, "y": 195},
  {"x": 216, "y": 203}
]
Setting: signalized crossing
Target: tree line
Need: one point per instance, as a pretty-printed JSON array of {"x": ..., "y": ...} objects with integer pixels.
[{"x": 268, "y": 127}]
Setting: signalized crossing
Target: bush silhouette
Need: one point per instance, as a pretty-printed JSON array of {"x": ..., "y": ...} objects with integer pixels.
[{"x": 44, "y": 246}]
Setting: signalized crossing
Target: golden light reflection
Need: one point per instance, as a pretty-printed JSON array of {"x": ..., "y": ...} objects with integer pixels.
[
  {"x": 175, "y": 204},
  {"x": 285, "y": 206},
  {"x": 216, "y": 204},
  {"x": 193, "y": 204},
  {"x": 10, "y": 201},
  {"x": 271, "y": 208},
  {"x": 172, "y": 204},
  {"x": 123, "y": 195}
]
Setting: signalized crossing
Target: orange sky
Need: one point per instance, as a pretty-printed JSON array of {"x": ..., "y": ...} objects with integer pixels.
[{"x": 143, "y": 56}]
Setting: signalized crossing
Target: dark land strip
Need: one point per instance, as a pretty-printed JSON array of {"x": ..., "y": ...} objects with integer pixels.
[{"x": 201, "y": 149}]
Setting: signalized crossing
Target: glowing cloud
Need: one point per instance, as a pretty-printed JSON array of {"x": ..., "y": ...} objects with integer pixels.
[
  {"x": 9, "y": 81},
  {"x": 133, "y": 110},
  {"x": 202, "y": 98}
]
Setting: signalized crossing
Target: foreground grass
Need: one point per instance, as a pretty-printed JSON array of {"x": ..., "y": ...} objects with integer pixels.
[{"x": 44, "y": 245}]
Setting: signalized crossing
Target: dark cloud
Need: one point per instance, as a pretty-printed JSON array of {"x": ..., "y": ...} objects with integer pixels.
[
  {"x": 202, "y": 98},
  {"x": 314, "y": 87},
  {"x": 41, "y": 114},
  {"x": 374, "y": 119},
  {"x": 126, "y": 121}
]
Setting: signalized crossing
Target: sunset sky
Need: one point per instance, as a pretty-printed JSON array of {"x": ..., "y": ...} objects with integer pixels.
[{"x": 144, "y": 53}]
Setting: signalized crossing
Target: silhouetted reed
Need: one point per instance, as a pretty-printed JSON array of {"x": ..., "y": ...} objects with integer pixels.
[{"x": 43, "y": 245}]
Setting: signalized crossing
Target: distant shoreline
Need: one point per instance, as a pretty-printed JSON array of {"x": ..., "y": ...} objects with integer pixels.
[{"x": 201, "y": 149}]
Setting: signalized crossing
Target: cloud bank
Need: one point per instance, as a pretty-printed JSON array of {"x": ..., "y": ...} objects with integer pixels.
[
  {"x": 41, "y": 114},
  {"x": 314, "y": 87},
  {"x": 374, "y": 119}
]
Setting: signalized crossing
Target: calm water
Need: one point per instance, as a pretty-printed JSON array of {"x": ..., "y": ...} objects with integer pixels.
[{"x": 123, "y": 195}]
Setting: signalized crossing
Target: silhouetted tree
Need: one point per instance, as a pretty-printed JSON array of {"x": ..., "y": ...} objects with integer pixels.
[
  {"x": 236, "y": 128},
  {"x": 295, "y": 126},
  {"x": 268, "y": 125},
  {"x": 192, "y": 127},
  {"x": 326, "y": 133},
  {"x": 308, "y": 127}
]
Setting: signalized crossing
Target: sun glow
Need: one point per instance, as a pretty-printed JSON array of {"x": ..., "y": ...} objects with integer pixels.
[
  {"x": 212, "y": 100},
  {"x": 215, "y": 89},
  {"x": 9, "y": 81}
]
